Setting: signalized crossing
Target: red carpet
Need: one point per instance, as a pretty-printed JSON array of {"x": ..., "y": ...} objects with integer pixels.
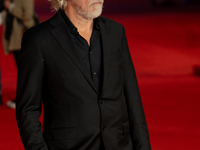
[{"x": 164, "y": 48}]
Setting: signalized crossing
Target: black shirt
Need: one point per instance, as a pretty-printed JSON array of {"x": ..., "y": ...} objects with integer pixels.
[{"x": 92, "y": 55}]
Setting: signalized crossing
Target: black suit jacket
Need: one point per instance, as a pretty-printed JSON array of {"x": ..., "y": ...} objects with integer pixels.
[{"x": 52, "y": 72}]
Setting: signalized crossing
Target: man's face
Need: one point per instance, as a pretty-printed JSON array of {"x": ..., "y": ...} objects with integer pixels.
[{"x": 88, "y": 9}]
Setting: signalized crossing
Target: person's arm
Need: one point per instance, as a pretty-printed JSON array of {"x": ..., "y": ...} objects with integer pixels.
[
  {"x": 2, "y": 17},
  {"x": 29, "y": 94},
  {"x": 24, "y": 13},
  {"x": 138, "y": 126}
]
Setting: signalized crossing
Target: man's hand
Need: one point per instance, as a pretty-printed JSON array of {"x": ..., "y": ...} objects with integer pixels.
[{"x": 7, "y": 4}]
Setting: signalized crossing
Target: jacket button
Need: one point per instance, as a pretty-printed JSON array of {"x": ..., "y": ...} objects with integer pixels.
[{"x": 101, "y": 101}]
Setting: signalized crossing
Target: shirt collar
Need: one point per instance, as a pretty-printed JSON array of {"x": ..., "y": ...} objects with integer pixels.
[{"x": 71, "y": 25}]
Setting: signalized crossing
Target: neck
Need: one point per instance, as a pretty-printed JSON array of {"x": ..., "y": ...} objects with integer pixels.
[
  {"x": 80, "y": 22},
  {"x": 83, "y": 25}
]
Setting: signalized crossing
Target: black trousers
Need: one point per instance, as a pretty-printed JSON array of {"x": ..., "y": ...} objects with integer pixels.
[{"x": 16, "y": 55}]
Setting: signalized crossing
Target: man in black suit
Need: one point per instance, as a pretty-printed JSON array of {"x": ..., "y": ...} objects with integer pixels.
[{"x": 79, "y": 66}]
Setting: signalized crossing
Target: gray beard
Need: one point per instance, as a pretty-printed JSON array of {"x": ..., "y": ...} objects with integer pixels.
[{"x": 87, "y": 14}]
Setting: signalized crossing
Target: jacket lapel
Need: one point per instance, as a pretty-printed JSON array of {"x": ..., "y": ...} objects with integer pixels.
[
  {"x": 106, "y": 44},
  {"x": 62, "y": 35}
]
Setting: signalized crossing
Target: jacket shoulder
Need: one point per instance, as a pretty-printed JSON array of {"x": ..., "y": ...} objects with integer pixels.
[
  {"x": 111, "y": 23},
  {"x": 40, "y": 29}
]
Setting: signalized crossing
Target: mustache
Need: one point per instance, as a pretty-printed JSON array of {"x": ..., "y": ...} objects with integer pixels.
[{"x": 95, "y": 1}]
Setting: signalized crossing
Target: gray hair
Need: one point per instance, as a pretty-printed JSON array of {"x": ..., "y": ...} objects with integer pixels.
[{"x": 58, "y": 4}]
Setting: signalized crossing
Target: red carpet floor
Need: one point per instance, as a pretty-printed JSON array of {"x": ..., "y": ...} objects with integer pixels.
[{"x": 164, "y": 48}]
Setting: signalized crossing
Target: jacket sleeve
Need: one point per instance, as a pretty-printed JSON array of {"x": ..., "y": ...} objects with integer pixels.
[
  {"x": 138, "y": 126},
  {"x": 29, "y": 94},
  {"x": 25, "y": 12}
]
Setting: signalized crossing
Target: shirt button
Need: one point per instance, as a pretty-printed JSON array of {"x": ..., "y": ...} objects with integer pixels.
[
  {"x": 90, "y": 52},
  {"x": 103, "y": 128},
  {"x": 95, "y": 73}
]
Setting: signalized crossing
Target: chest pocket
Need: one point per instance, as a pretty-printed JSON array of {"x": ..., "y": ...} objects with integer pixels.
[{"x": 117, "y": 55}]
